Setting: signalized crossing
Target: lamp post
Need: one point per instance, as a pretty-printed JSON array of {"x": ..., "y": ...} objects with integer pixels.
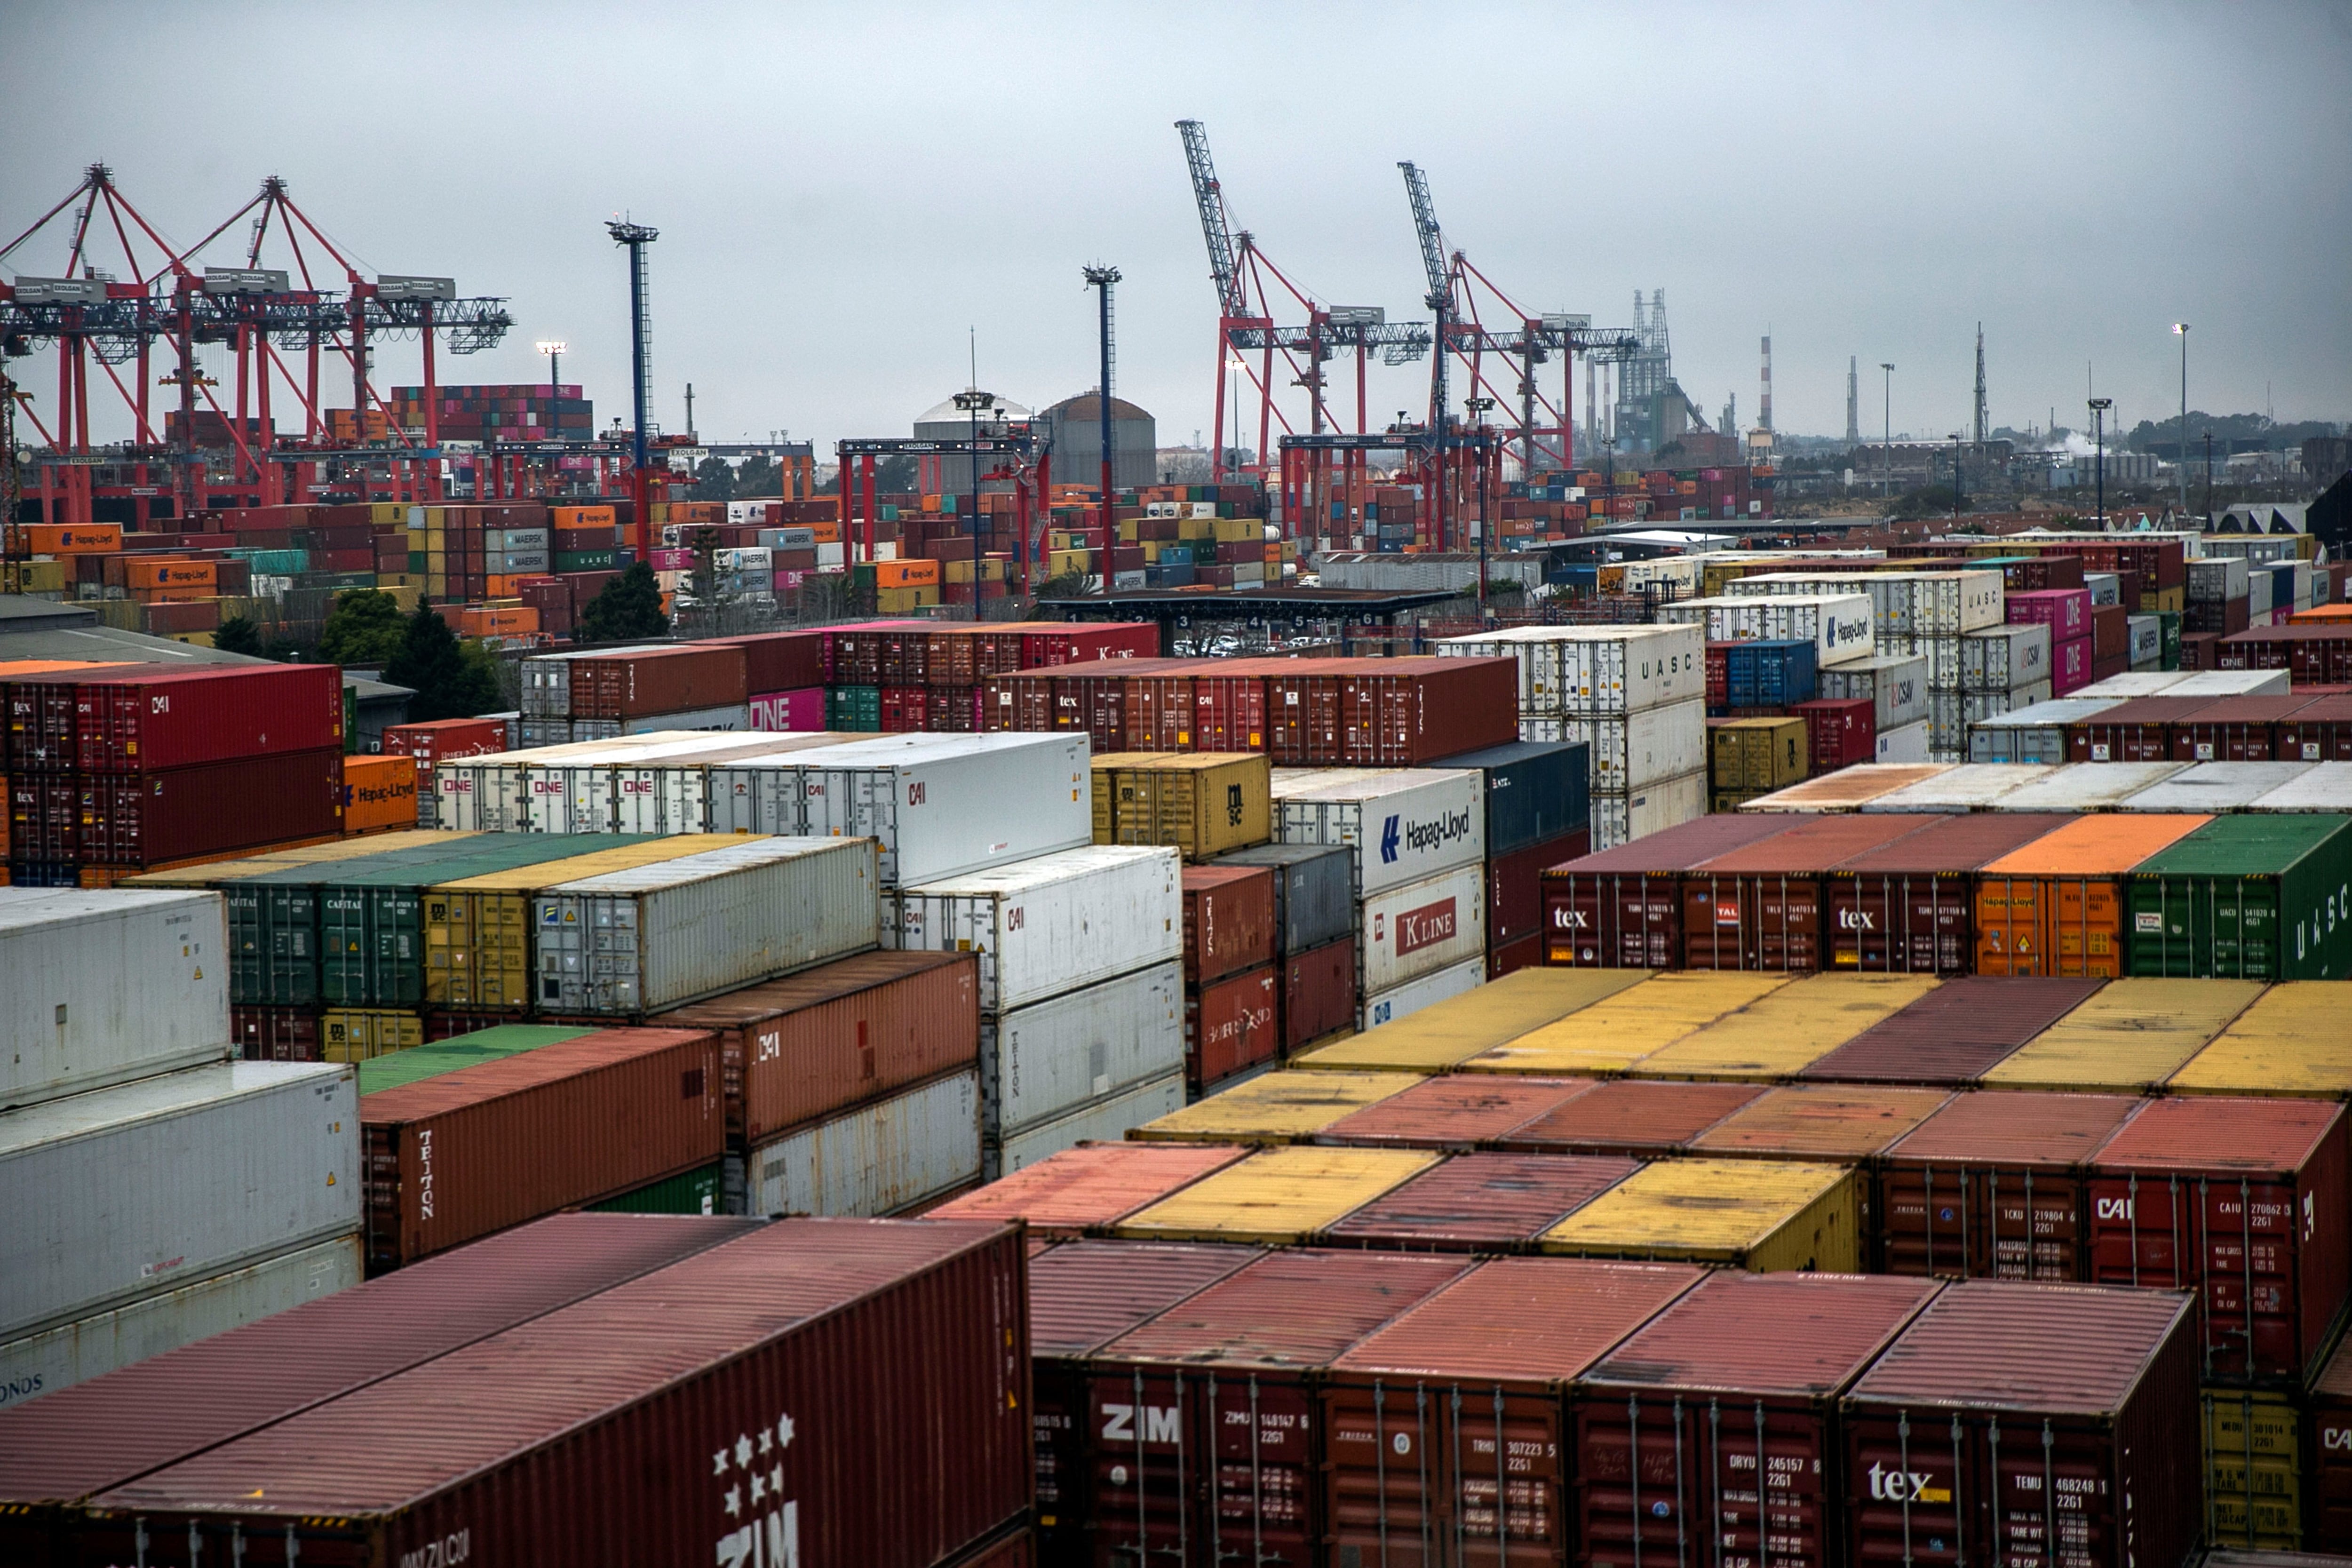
[
  {"x": 1886, "y": 438},
  {"x": 2181, "y": 329},
  {"x": 553, "y": 348},
  {"x": 1956, "y": 478},
  {"x": 2099, "y": 407},
  {"x": 972, "y": 402},
  {"x": 1478, "y": 407}
]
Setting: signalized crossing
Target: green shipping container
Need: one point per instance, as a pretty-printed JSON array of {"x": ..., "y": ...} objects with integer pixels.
[
  {"x": 854, "y": 708},
  {"x": 420, "y": 1062},
  {"x": 690, "y": 1192},
  {"x": 2167, "y": 625},
  {"x": 585, "y": 559},
  {"x": 2255, "y": 897}
]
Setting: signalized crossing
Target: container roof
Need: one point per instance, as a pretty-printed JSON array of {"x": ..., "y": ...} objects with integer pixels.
[
  {"x": 1769, "y": 1333},
  {"x": 1089, "y": 1293},
  {"x": 1994, "y": 1344},
  {"x": 1523, "y": 1318}
]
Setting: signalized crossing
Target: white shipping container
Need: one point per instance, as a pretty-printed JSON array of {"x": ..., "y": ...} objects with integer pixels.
[
  {"x": 760, "y": 791},
  {"x": 547, "y": 679},
  {"x": 676, "y": 793},
  {"x": 1967, "y": 786},
  {"x": 1596, "y": 669},
  {"x": 580, "y": 790},
  {"x": 2210, "y": 683},
  {"x": 2088, "y": 787},
  {"x": 545, "y": 732},
  {"x": 1621, "y": 818},
  {"x": 2145, "y": 640},
  {"x": 1108, "y": 1120},
  {"x": 1051, "y": 924},
  {"x": 1896, "y": 681},
  {"x": 2217, "y": 787},
  {"x": 2005, "y": 657},
  {"x": 1905, "y": 604},
  {"x": 1404, "y": 824},
  {"x": 1409, "y": 932},
  {"x": 1942, "y": 653},
  {"x": 1043, "y": 1062},
  {"x": 2134, "y": 683},
  {"x": 652, "y": 937},
  {"x": 1842, "y": 627},
  {"x": 941, "y": 806},
  {"x": 2218, "y": 578},
  {"x": 1906, "y": 744},
  {"x": 1641, "y": 748},
  {"x": 1415, "y": 994},
  {"x": 1978, "y": 706},
  {"x": 105, "y": 1341},
  {"x": 2323, "y": 786},
  {"x": 874, "y": 1159},
  {"x": 2105, "y": 588},
  {"x": 2031, "y": 734},
  {"x": 502, "y": 792},
  {"x": 126, "y": 1191},
  {"x": 100, "y": 987}
]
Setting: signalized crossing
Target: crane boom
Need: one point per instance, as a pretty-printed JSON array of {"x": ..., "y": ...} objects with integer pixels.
[
  {"x": 1433, "y": 243},
  {"x": 1209, "y": 196}
]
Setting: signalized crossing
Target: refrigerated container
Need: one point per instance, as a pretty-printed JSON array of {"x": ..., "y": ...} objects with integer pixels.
[
  {"x": 1631, "y": 752},
  {"x": 1841, "y": 627},
  {"x": 1845, "y": 790},
  {"x": 1416, "y": 929},
  {"x": 105, "y": 986},
  {"x": 1896, "y": 685},
  {"x": 1963, "y": 787},
  {"x": 1052, "y": 1059},
  {"x": 1620, "y": 818},
  {"x": 1595, "y": 670},
  {"x": 1110, "y": 1118},
  {"x": 2086, "y": 787},
  {"x": 1402, "y": 824},
  {"x": 2004, "y": 659},
  {"x": 1048, "y": 924},
  {"x": 882, "y": 1156},
  {"x": 2035, "y": 734},
  {"x": 950, "y": 806},
  {"x": 1374, "y": 1009},
  {"x": 2216, "y": 787}
]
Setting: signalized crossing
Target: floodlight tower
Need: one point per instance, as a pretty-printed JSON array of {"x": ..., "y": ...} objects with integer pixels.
[
  {"x": 1104, "y": 278},
  {"x": 637, "y": 237}
]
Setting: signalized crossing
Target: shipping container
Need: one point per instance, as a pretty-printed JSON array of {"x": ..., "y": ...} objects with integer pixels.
[
  {"x": 145, "y": 723},
  {"x": 2243, "y": 1201},
  {"x": 461, "y": 1154},
  {"x": 901, "y": 1343},
  {"x": 1052, "y": 924},
  {"x": 1841, "y": 627},
  {"x": 1402, "y": 826},
  {"x": 1277, "y": 1107},
  {"x": 799, "y": 1050},
  {"x": 470, "y": 1049},
  {"x": 1480, "y": 1202},
  {"x": 1955, "y": 1034},
  {"x": 1417, "y": 928},
  {"x": 1535, "y": 793},
  {"x": 1845, "y": 790},
  {"x": 1085, "y": 1189},
  {"x": 1770, "y": 673},
  {"x": 1964, "y": 787},
  {"x": 1851, "y": 1123},
  {"x": 2328, "y": 1508},
  {"x": 1638, "y": 1117},
  {"x": 882, "y": 1156},
  {"x": 1763, "y": 1215},
  {"x": 1612, "y": 1035},
  {"x": 1762, "y": 906},
  {"x": 2036, "y": 734},
  {"x": 1314, "y": 904},
  {"x": 1451, "y": 1424},
  {"x": 1203, "y": 803},
  {"x": 1319, "y": 993},
  {"x": 2323, "y": 786},
  {"x": 1230, "y": 920},
  {"x": 1623, "y": 907},
  {"x": 1896, "y": 685},
  {"x": 106, "y": 986},
  {"x": 1909, "y": 906},
  {"x": 2128, "y": 1039},
  {"x": 778, "y": 661},
  {"x": 1621, "y": 816},
  {"x": 2029, "y": 1422},
  {"x": 1994, "y": 1184},
  {"x": 148, "y": 819},
  {"x": 1730, "y": 1392},
  {"x": 1631, "y": 752},
  {"x": 2258, "y": 898},
  {"x": 2289, "y": 1040},
  {"x": 1779, "y": 1034},
  {"x": 1446, "y": 1035},
  {"x": 1232, "y": 1026},
  {"x": 2254, "y": 1441},
  {"x": 1113, "y": 1116},
  {"x": 2056, "y": 907},
  {"x": 1051, "y": 1058},
  {"x": 1595, "y": 670},
  {"x": 1376, "y": 1008},
  {"x": 2216, "y": 787},
  {"x": 938, "y": 803},
  {"x": 1277, "y": 1196},
  {"x": 1455, "y": 1113},
  {"x": 660, "y": 681}
]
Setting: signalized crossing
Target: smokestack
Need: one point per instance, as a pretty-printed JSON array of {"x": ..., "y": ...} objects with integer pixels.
[
  {"x": 1852, "y": 402},
  {"x": 1764, "y": 413}
]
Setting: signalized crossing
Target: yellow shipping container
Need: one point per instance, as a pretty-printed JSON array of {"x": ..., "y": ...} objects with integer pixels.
[
  {"x": 1750, "y": 755},
  {"x": 1444, "y": 1035},
  {"x": 1610, "y": 1036},
  {"x": 1237, "y": 530},
  {"x": 477, "y": 930},
  {"x": 1202, "y": 803},
  {"x": 2293, "y": 1040},
  {"x": 902, "y": 601},
  {"x": 216, "y": 871},
  {"x": 1107, "y": 769},
  {"x": 1068, "y": 563},
  {"x": 1279, "y": 1108},
  {"x": 2131, "y": 1036},
  {"x": 1757, "y": 1216},
  {"x": 2253, "y": 1470},
  {"x": 355, "y": 1035},
  {"x": 1786, "y": 1031},
  {"x": 1283, "y": 1195}
]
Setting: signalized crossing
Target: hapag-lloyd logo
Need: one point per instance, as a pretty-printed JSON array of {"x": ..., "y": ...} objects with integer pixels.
[
  {"x": 1421, "y": 838},
  {"x": 1425, "y": 927}
]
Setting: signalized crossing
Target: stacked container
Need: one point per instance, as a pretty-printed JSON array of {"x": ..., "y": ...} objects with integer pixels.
[
  {"x": 1538, "y": 814},
  {"x": 686, "y": 686},
  {"x": 1232, "y": 993},
  {"x": 1315, "y": 936},
  {"x": 1896, "y": 684}
]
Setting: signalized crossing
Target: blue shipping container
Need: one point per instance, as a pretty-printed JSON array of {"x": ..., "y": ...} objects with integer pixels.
[
  {"x": 1535, "y": 790},
  {"x": 1770, "y": 673}
]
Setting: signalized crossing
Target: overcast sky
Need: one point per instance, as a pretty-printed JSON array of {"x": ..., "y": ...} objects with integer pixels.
[{"x": 843, "y": 191}]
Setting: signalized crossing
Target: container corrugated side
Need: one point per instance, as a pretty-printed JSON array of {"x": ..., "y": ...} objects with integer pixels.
[
  {"x": 1045, "y": 1061},
  {"x": 1596, "y": 669},
  {"x": 1051, "y": 924},
  {"x": 878, "y": 1158},
  {"x": 1612, "y": 1034},
  {"x": 1277, "y": 1107},
  {"x": 947, "y": 806},
  {"x": 1446, "y": 1033},
  {"x": 1420, "y": 928},
  {"x": 633, "y": 942},
  {"x": 1083, "y": 1188},
  {"x": 118, "y": 1194},
  {"x": 1402, "y": 824},
  {"x": 1109, "y": 1118},
  {"x": 2129, "y": 1037},
  {"x": 1314, "y": 903},
  {"x": 2259, "y": 898},
  {"x": 1781, "y": 1033},
  {"x": 1762, "y": 1215},
  {"x": 105, "y": 986},
  {"x": 2290, "y": 1040},
  {"x": 91, "y": 1347}
]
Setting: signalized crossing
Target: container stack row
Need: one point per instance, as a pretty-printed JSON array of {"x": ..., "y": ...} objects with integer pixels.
[{"x": 2221, "y": 716}]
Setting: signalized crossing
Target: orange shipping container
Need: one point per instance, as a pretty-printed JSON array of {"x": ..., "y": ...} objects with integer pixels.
[
  {"x": 174, "y": 595},
  {"x": 828, "y": 532},
  {"x": 905, "y": 574},
  {"x": 2056, "y": 907},
  {"x": 581, "y": 516},
  {"x": 378, "y": 792},
  {"x": 497, "y": 621},
  {"x": 72, "y": 539},
  {"x": 170, "y": 573}
]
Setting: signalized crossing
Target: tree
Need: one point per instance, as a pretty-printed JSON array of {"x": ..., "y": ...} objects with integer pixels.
[
  {"x": 759, "y": 476},
  {"x": 629, "y": 608},
  {"x": 452, "y": 680},
  {"x": 238, "y": 635},
  {"x": 365, "y": 627},
  {"x": 713, "y": 481}
]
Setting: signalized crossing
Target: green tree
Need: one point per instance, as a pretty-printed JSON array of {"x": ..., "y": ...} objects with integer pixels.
[
  {"x": 714, "y": 479},
  {"x": 365, "y": 627},
  {"x": 452, "y": 680},
  {"x": 238, "y": 635},
  {"x": 758, "y": 477},
  {"x": 629, "y": 608}
]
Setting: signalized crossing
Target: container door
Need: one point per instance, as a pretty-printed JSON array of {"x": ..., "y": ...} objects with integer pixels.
[
  {"x": 1262, "y": 1496},
  {"x": 1694, "y": 1496},
  {"x": 1143, "y": 1463}
]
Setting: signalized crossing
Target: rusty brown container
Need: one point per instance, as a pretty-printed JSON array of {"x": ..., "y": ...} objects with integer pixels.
[
  {"x": 1909, "y": 907},
  {"x": 1761, "y": 907},
  {"x": 2140, "y": 731},
  {"x": 1405, "y": 712},
  {"x": 463, "y": 1154},
  {"x": 1229, "y": 711},
  {"x": 1461, "y": 1405},
  {"x": 1481, "y": 1203},
  {"x": 2236, "y": 730},
  {"x": 1083, "y": 1191},
  {"x": 1955, "y": 1034},
  {"x": 147, "y": 819},
  {"x": 1622, "y": 909},
  {"x": 2327, "y": 1505},
  {"x": 1631, "y": 1116},
  {"x": 796, "y": 1051},
  {"x": 778, "y": 661},
  {"x": 659, "y": 680},
  {"x": 763, "y": 1402},
  {"x": 1457, "y": 1113},
  {"x": 1082, "y": 1297},
  {"x": 1846, "y": 1123},
  {"x": 71, "y": 1445},
  {"x": 1735, "y": 1383},
  {"x": 1232, "y": 1025},
  {"x": 1155, "y": 704},
  {"x": 2028, "y": 1424},
  {"x": 1202, "y": 1441},
  {"x": 1319, "y": 992},
  {"x": 1515, "y": 894},
  {"x": 1993, "y": 1184},
  {"x": 1229, "y": 920},
  {"x": 1302, "y": 706}
]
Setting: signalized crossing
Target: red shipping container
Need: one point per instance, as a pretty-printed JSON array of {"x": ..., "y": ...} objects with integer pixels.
[
  {"x": 2328, "y": 1497},
  {"x": 153, "y": 819},
  {"x": 2243, "y": 1201},
  {"x": 1642, "y": 1117},
  {"x": 1527, "y": 952},
  {"x": 275, "y": 1034},
  {"x": 778, "y": 661},
  {"x": 826, "y": 1360},
  {"x": 1403, "y": 712},
  {"x": 1080, "y": 1191},
  {"x": 2066, "y": 611},
  {"x": 1302, "y": 706},
  {"x": 1023, "y": 702},
  {"x": 2201, "y": 650},
  {"x": 2034, "y": 1423},
  {"x": 1456, "y": 1113},
  {"x": 904, "y": 708},
  {"x": 2138, "y": 731},
  {"x": 1840, "y": 733},
  {"x": 2318, "y": 733},
  {"x": 1515, "y": 887},
  {"x": 78, "y": 1442},
  {"x": 951, "y": 654},
  {"x": 1156, "y": 706},
  {"x": 952, "y": 710},
  {"x": 1319, "y": 992},
  {"x": 1201, "y": 1433},
  {"x": 140, "y": 723},
  {"x": 460, "y": 1156},
  {"x": 2236, "y": 730},
  {"x": 445, "y": 740},
  {"x": 799, "y": 1050},
  {"x": 1909, "y": 907},
  {"x": 2111, "y": 633},
  {"x": 1228, "y": 921},
  {"x": 658, "y": 680},
  {"x": 2071, "y": 665},
  {"x": 1229, "y": 704},
  {"x": 1481, "y": 1203},
  {"x": 1993, "y": 1184},
  {"x": 1044, "y": 645},
  {"x": 1736, "y": 1384},
  {"x": 1763, "y": 907},
  {"x": 1460, "y": 1405},
  {"x": 1956, "y": 1033},
  {"x": 906, "y": 655},
  {"x": 1232, "y": 1025},
  {"x": 1718, "y": 674},
  {"x": 1622, "y": 909}
]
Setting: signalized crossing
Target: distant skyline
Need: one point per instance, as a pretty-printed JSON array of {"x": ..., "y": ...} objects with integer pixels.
[{"x": 843, "y": 192}]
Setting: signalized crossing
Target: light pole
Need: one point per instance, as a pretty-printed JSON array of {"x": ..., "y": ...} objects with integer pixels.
[
  {"x": 2208, "y": 480},
  {"x": 1478, "y": 407},
  {"x": 972, "y": 402},
  {"x": 553, "y": 348},
  {"x": 1886, "y": 437},
  {"x": 2182, "y": 329},
  {"x": 1956, "y": 478},
  {"x": 2099, "y": 407}
]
